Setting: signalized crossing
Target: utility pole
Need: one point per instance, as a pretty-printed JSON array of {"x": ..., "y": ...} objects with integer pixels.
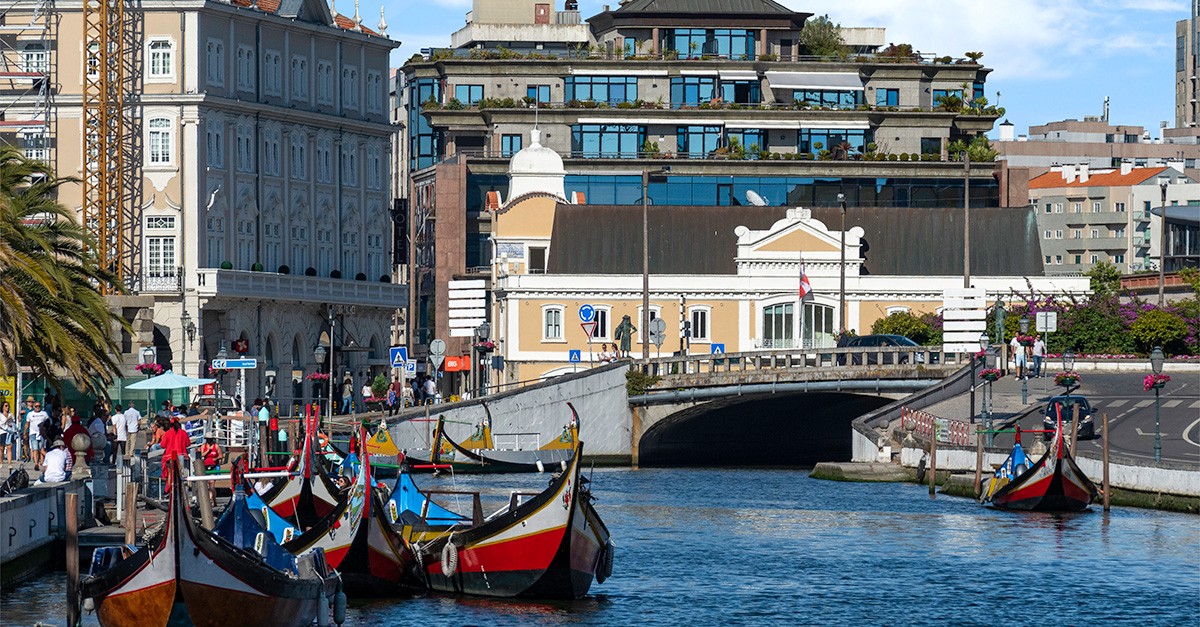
[{"x": 967, "y": 218}]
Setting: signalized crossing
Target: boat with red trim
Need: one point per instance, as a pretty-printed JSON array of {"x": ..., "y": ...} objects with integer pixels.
[{"x": 1052, "y": 484}]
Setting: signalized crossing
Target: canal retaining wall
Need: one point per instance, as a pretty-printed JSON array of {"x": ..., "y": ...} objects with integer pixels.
[{"x": 33, "y": 525}]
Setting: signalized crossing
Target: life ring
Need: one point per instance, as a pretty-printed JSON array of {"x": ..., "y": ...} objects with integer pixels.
[
  {"x": 604, "y": 571},
  {"x": 449, "y": 558}
]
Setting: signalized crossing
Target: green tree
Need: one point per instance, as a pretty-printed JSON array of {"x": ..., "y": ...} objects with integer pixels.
[
  {"x": 906, "y": 324},
  {"x": 1159, "y": 328},
  {"x": 52, "y": 318},
  {"x": 1105, "y": 278},
  {"x": 822, "y": 38},
  {"x": 1092, "y": 328}
]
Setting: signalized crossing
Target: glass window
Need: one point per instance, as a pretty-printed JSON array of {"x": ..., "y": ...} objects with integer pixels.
[
  {"x": 162, "y": 58},
  {"x": 325, "y": 83},
  {"x": 693, "y": 43},
  {"x": 977, "y": 91},
  {"x": 829, "y": 98},
  {"x": 818, "y": 326},
  {"x": 1096, "y": 207},
  {"x": 691, "y": 91},
  {"x": 510, "y": 144},
  {"x": 552, "y": 323},
  {"x": 350, "y": 87},
  {"x": 425, "y": 142},
  {"x": 299, "y": 78},
  {"x": 887, "y": 97},
  {"x": 749, "y": 138},
  {"x": 160, "y": 256},
  {"x": 777, "y": 326},
  {"x": 698, "y": 141},
  {"x": 215, "y": 143},
  {"x": 541, "y": 93},
  {"x": 160, "y": 139},
  {"x": 215, "y": 62},
  {"x": 610, "y": 89},
  {"x": 601, "y": 332},
  {"x": 607, "y": 140},
  {"x": 34, "y": 57},
  {"x": 941, "y": 94},
  {"x": 1078, "y": 259},
  {"x": 699, "y": 320},
  {"x": 35, "y": 146},
  {"x": 931, "y": 145},
  {"x": 468, "y": 94},
  {"x": 832, "y": 138},
  {"x": 741, "y": 92},
  {"x": 1119, "y": 207}
]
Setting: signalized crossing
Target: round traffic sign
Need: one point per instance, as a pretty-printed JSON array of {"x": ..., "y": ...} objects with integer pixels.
[
  {"x": 586, "y": 313},
  {"x": 437, "y": 347}
]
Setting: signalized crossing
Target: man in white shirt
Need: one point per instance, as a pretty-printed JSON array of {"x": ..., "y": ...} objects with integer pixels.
[
  {"x": 121, "y": 431},
  {"x": 132, "y": 419},
  {"x": 37, "y": 444},
  {"x": 1039, "y": 355},
  {"x": 56, "y": 463},
  {"x": 431, "y": 389}
]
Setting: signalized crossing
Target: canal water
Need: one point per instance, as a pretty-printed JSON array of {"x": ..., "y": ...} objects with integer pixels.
[{"x": 776, "y": 547}]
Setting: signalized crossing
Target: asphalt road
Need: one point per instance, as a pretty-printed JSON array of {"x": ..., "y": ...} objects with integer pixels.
[{"x": 1130, "y": 412}]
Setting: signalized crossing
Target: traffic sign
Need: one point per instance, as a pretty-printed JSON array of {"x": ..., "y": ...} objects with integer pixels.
[
  {"x": 574, "y": 356},
  {"x": 586, "y": 313},
  {"x": 436, "y": 359},
  {"x": 410, "y": 369},
  {"x": 234, "y": 364},
  {"x": 437, "y": 347},
  {"x": 1047, "y": 322},
  {"x": 658, "y": 329},
  {"x": 398, "y": 355},
  {"x": 718, "y": 349},
  {"x": 589, "y": 328}
]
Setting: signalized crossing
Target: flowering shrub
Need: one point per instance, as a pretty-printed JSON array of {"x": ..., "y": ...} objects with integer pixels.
[
  {"x": 485, "y": 345},
  {"x": 216, "y": 372},
  {"x": 149, "y": 369},
  {"x": 374, "y": 400},
  {"x": 317, "y": 376},
  {"x": 1067, "y": 378},
  {"x": 1155, "y": 381},
  {"x": 990, "y": 374},
  {"x": 1025, "y": 340}
]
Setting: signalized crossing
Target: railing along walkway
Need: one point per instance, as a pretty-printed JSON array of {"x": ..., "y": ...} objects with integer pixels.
[{"x": 857, "y": 362}]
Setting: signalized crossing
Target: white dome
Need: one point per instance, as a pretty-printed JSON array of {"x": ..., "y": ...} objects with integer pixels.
[{"x": 536, "y": 158}]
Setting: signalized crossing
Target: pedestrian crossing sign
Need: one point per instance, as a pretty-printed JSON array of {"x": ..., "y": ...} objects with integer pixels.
[
  {"x": 718, "y": 349},
  {"x": 398, "y": 355}
]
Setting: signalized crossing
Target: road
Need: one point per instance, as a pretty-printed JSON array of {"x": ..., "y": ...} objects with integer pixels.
[{"x": 1130, "y": 412}]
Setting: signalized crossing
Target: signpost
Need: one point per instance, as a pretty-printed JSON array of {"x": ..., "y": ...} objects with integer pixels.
[
  {"x": 574, "y": 356},
  {"x": 437, "y": 354},
  {"x": 718, "y": 349},
  {"x": 658, "y": 333},
  {"x": 398, "y": 356},
  {"x": 964, "y": 312},
  {"x": 241, "y": 365},
  {"x": 586, "y": 313},
  {"x": 410, "y": 369},
  {"x": 589, "y": 327}
]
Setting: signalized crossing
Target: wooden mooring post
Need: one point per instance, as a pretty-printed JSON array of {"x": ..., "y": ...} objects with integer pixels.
[
  {"x": 130, "y": 518},
  {"x": 72, "y": 507},
  {"x": 1105, "y": 487},
  {"x": 1074, "y": 427},
  {"x": 206, "y": 510},
  {"x": 933, "y": 461},
  {"x": 978, "y": 462}
]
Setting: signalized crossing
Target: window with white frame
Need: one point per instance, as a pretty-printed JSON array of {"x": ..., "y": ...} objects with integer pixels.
[
  {"x": 601, "y": 320},
  {"x": 655, "y": 314},
  {"x": 245, "y": 148},
  {"x": 91, "y": 60},
  {"x": 324, "y": 82},
  {"x": 1058, "y": 260},
  {"x": 1077, "y": 234},
  {"x": 214, "y": 142},
  {"x": 298, "y": 161},
  {"x": 160, "y": 140},
  {"x": 349, "y": 165},
  {"x": 699, "y": 319},
  {"x": 245, "y": 244},
  {"x": 374, "y": 92},
  {"x": 272, "y": 73},
  {"x": 215, "y": 62},
  {"x": 777, "y": 326},
  {"x": 374, "y": 167},
  {"x": 1058, "y": 234},
  {"x": 272, "y": 243},
  {"x": 1094, "y": 258},
  {"x": 1119, "y": 207},
  {"x": 161, "y": 58},
  {"x": 1077, "y": 207},
  {"x": 1095, "y": 233},
  {"x": 35, "y": 57},
  {"x": 1049, "y": 234},
  {"x": 1058, "y": 207},
  {"x": 324, "y": 161},
  {"x": 271, "y": 152},
  {"x": 299, "y": 78},
  {"x": 552, "y": 323},
  {"x": 299, "y": 247},
  {"x": 897, "y": 309},
  {"x": 160, "y": 256},
  {"x": 34, "y": 145},
  {"x": 350, "y": 87},
  {"x": 1097, "y": 207},
  {"x": 216, "y": 241},
  {"x": 1049, "y": 260},
  {"x": 245, "y": 68}
]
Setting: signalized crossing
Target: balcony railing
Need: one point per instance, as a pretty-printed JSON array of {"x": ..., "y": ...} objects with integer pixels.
[
  {"x": 295, "y": 288},
  {"x": 725, "y": 155},
  {"x": 160, "y": 282},
  {"x": 487, "y": 104},
  {"x": 583, "y": 53}
]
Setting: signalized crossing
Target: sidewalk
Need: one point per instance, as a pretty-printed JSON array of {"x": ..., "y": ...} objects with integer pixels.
[{"x": 1005, "y": 400}]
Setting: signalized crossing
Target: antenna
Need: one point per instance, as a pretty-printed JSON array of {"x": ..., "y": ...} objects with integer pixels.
[{"x": 1105, "y": 118}]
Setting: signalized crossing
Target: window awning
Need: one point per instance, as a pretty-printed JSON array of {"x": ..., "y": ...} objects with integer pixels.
[
  {"x": 815, "y": 80},
  {"x": 616, "y": 73},
  {"x": 843, "y": 125},
  {"x": 739, "y": 75},
  {"x": 763, "y": 125}
]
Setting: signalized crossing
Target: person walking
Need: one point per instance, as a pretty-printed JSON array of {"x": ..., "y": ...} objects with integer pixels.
[
  {"x": 1020, "y": 361},
  {"x": 431, "y": 390},
  {"x": 1039, "y": 355},
  {"x": 120, "y": 429},
  {"x": 133, "y": 419},
  {"x": 34, "y": 434},
  {"x": 395, "y": 396},
  {"x": 418, "y": 390},
  {"x": 347, "y": 393},
  {"x": 98, "y": 433},
  {"x": 8, "y": 423}
]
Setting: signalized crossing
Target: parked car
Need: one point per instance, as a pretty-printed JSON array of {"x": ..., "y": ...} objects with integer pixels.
[
  {"x": 877, "y": 340},
  {"x": 1087, "y": 428},
  {"x": 219, "y": 404}
]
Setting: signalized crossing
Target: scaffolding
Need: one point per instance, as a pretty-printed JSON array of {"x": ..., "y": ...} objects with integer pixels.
[{"x": 26, "y": 71}]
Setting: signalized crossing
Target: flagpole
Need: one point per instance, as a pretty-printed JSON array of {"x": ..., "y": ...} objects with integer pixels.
[{"x": 801, "y": 294}]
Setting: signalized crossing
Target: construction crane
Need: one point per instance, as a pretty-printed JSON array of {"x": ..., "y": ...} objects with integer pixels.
[{"x": 105, "y": 211}]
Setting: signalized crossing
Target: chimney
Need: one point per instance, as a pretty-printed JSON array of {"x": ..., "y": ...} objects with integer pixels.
[
  {"x": 1083, "y": 173},
  {"x": 1126, "y": 167},
  {"x": 1068, "y": 173},
  {"x": 1175, "y": 164}
]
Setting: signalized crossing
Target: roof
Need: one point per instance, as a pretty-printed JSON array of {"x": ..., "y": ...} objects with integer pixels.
[
  {"x": 607, "y": 239},
  {"x": 707, "y": 7},
  {"x": 1111, "y": 178},
  {"x": 292, "y": 8}
]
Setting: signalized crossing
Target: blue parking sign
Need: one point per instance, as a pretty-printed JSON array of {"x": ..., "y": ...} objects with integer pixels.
[{"x": 574, "y": 356}]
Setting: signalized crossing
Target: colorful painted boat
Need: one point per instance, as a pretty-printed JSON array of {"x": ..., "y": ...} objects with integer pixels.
[
  {"x": 1052, "y": 484},
  {"x": 478, "y": 454},
  {"x": 307, "y": 496},
  {"x": 551, "y": 545}
]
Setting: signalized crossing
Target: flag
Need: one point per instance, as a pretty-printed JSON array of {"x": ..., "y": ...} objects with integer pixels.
[{"x": 805, "y": 287}]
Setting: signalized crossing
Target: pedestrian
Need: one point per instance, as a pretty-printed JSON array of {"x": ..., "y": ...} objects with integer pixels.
[
  {"x": 366, "y": 391},
  {"x": 1039, "y": 355},
  {"x": 36, "y": 434},
  {"x": 347, "y": 393},
  {"x": 395, "y": 395},
  {"x": 75, "y": 428},
  {"x": 98, "y": 433},
  {"x": 120, "y": 431},
  {"x": 1019, "y": 357},
  {"x": 133, "y": 420},
  {"x": 57, "y": 463},
  {"x": 175, "y": 442},
  {"x": 431, "y": 390},
  {"x": 418, "y": 390},
  {"x": 21, "y": 450},
  {"x": 8, "y": 426}
]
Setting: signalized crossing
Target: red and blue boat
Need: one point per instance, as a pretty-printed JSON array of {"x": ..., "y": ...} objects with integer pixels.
[{"x": 1054, "y": 483}]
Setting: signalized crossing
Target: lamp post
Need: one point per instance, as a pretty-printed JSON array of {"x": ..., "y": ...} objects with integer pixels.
[
  {"x": 985, "y": 410},
  {"x": 1162, "y": 242},
  {"x": 966, "y": 218},
  {"x": 645, "y": 322},
  {"x": 1068, "y": 359},
  {"x": 1024, "y": 323},
  {"x": 148, "y": 355},
  {"x": 841, "y": 269},
  {"x": 329, "y": 409},
  {"x": 481, "y": 332},
  {"x": 1156, "y": 365}
]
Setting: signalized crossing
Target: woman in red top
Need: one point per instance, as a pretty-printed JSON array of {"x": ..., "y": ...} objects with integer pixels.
[{"x": 175, "y": 442}]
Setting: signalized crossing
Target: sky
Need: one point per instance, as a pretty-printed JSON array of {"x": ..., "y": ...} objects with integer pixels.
[{"x": 1052, "y": 59}]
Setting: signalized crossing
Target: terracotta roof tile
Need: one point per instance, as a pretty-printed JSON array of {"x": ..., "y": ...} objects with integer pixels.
[
  {"x": 272, "y": 6},
  {"x": 1111, "y": 178}
]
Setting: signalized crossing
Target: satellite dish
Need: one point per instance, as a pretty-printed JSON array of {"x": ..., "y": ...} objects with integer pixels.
[{"x": 753, "y": 198}]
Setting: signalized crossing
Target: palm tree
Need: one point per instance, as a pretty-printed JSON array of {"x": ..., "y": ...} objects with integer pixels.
[{"x": 52, "y": 318}]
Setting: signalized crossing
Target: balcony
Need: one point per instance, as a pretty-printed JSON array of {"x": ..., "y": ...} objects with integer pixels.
[
  {"x": 159, "y": 282},
  {"x": 1107, "y": 217},
  {"x": 213, "y": 283}
]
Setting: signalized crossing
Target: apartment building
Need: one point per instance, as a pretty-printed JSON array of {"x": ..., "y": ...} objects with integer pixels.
[
  {"x": 721, "y": 92},
  {"x": 257, "y": 192},
  {"x": 1087, "y": 216},
  {"x": 1187, "y": 84}
]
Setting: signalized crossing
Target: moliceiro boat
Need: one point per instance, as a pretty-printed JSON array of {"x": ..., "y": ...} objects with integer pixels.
[
  {"x": 1052, "y": 484},
  {"x": 549, "y": 545},
  {"x": 478, "y": 453},
  {"x": 193, "y": 576}
]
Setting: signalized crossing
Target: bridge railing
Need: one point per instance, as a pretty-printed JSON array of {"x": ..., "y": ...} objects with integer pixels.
[{"x": 872, "y": 358}]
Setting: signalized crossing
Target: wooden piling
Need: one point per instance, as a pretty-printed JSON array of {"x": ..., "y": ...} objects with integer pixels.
[
  {"x": 206, "y": 510},
  {"x": 72, "y": 506},
  {"x": 978, "y": 462},
  {"x": 1074, "y": 427},
  {"x": 933, "y": 461},
  {"x": 130, "y": 519},
  {"x": 1104, "y": 461}
]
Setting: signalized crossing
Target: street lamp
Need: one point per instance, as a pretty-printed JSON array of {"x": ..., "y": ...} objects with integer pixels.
[
  {"x": 1162, "y": 242},
  {"x": 985, "y": 343},
  {"x": 1156, "y": 365},
  {"x": 1023, "y": 366},
  {"x": 481, "y": 333},
  {"x": 645, "y": 328},
  {"x": 1068, "y": 360},
  {"x": 842, "y": 269}
]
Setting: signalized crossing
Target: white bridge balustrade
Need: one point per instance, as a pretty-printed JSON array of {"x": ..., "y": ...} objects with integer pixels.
[
  {"x": 298, "y": 288},
  {"x": 900, "y": 361}
]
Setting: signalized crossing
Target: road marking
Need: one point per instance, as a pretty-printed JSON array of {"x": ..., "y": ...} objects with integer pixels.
[
  {"x": 1117, "y": 403},
  {"x": 1194, "y": 405},
  {"x": 1170, "y": 404},
  {"x": 1144, "y": 404},
  {"x": 1188, "y": 430},
  {"x": 1142, "y": 433}
]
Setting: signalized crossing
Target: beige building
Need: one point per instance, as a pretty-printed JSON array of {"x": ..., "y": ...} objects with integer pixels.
[
  {"x": 257, "y": 149},
  {"x": 1187, "y": 84}
]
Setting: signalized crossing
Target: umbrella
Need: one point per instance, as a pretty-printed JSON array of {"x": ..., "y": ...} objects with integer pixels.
[{"x": 168, "y": 381}]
